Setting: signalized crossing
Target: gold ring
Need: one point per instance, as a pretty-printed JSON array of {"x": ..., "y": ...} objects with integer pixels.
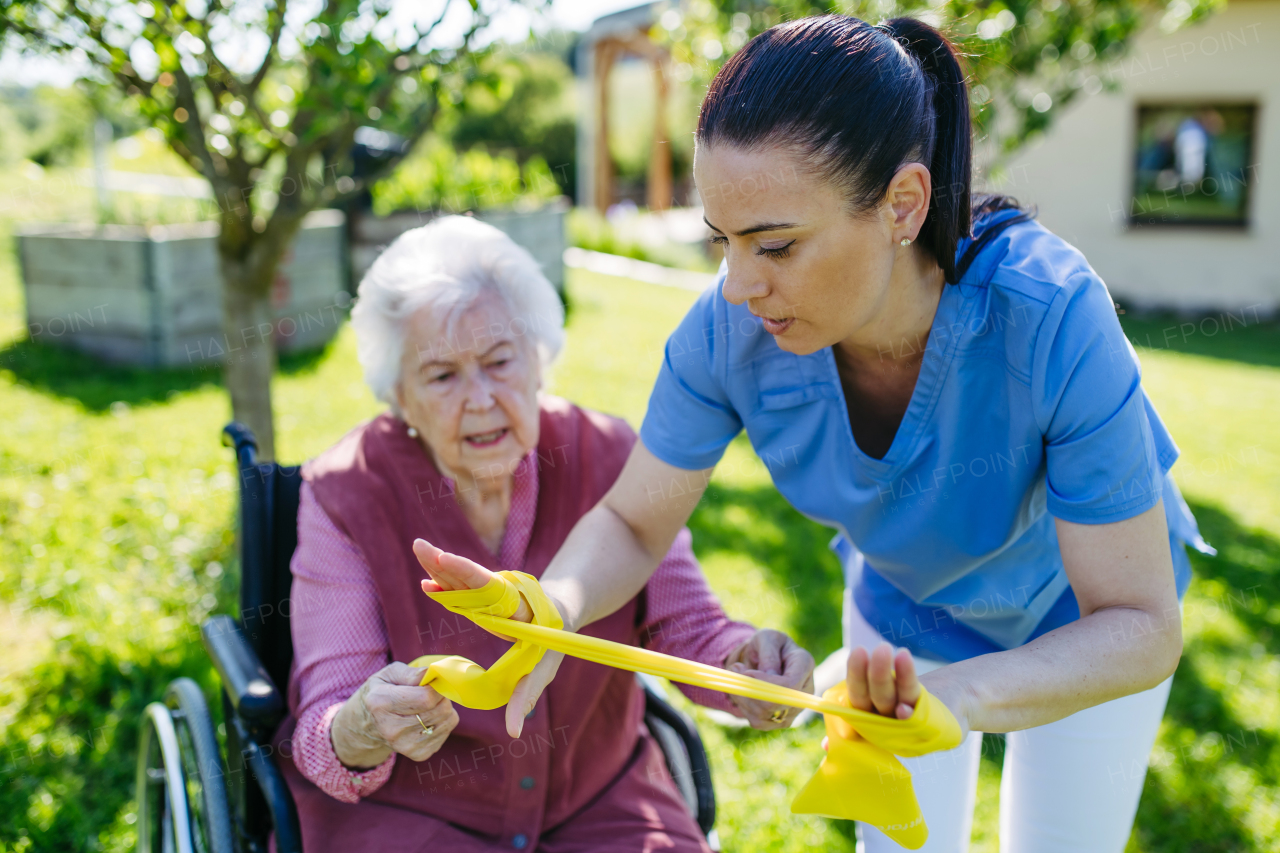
[
  {"x": 426, "y": 730},
  {"x": 778, "y": 715}
]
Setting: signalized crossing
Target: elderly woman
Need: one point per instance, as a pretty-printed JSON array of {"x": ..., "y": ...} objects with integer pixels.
[{"x": 455, "y": 324}]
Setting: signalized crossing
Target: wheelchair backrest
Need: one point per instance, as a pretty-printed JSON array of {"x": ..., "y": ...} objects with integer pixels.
[{"x": 269, "y": 495}]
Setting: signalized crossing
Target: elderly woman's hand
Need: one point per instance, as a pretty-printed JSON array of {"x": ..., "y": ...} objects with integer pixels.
[
  {"x": 450, "y": 572},
  {"x": 391, "y": 713},
  {"x": 774, "y": 657}
]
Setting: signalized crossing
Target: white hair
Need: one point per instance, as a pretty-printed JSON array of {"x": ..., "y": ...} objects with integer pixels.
[{"x": 448, "y": 264}]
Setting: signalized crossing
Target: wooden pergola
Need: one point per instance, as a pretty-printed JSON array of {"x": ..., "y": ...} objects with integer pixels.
[{"x": 605, "y": 51}]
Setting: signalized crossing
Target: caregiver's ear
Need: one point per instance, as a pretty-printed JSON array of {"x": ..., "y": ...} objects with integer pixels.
[{"x": 908, "y": 199}]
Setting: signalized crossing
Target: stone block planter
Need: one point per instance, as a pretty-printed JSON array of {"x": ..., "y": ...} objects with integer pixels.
[
  {"x": 540, "y": 231},
  {"x": 153, "y": 296}
]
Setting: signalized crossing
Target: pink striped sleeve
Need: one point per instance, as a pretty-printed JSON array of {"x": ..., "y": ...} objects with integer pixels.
[
  {"x": 339, "y": 640},
  {"x": 683, "y": 618}
]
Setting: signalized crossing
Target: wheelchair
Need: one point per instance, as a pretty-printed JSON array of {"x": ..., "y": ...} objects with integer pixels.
[{"x": 190, "y": 798}]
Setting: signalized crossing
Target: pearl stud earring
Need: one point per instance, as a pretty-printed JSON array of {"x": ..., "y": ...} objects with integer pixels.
[
  {"x": 906, "y": 241},
  {"x": 413, "y": 433}
]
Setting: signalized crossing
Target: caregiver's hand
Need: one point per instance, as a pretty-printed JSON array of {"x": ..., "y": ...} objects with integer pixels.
[
  {"x": 886, "y": 684},
  {"x": 774, "y": 657},
  {"x": 450, "y": 572},
  {"x": 883, "y": 682},
  {"x": 380, "y": 719}
]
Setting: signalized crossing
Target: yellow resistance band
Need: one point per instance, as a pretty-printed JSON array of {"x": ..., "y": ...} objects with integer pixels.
[{"x": 859, "y": 779}]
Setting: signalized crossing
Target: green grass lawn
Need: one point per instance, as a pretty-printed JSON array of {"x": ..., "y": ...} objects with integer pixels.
[{"x": 117, "y": 504}]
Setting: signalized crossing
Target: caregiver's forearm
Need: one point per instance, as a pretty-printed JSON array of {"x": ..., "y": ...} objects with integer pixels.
[
  {"x": 613, "y": 549},
  {"x": 602, "y": 565},
  {"x": 1110, "y": 653}
]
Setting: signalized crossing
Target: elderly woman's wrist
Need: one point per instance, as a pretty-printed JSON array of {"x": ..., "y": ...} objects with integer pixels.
[
  {"x": 360, "y": 761},
  {"x": 356, "y": 745}
]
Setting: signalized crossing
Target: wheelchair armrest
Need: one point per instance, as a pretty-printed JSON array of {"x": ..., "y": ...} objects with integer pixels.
[
  {"x": 275, "y": 793},
  {"x": 252, "y": 693}
]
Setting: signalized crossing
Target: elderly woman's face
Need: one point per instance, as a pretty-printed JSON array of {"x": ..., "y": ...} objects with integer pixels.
[{"x": 470, "y": 388}]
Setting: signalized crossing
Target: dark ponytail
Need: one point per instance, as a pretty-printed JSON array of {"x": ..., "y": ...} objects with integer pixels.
[
  {"x": 950, "y": 165},
  {"x": 858, "y": 102}
]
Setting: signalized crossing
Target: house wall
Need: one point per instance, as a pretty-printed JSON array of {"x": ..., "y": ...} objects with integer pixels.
[{"x": 1080, "y": 174}]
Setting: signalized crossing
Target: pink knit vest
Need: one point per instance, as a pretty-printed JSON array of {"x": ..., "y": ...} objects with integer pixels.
[{"x": 382, "y": 491}]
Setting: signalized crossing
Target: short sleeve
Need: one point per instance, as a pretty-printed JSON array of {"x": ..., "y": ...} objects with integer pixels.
[
  {"x": 1100, "y": 450},
  {"x": 690, "y": 420}
]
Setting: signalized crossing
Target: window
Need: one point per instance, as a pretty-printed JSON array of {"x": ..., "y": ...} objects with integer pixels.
[{"x": 1193, "y": 164}]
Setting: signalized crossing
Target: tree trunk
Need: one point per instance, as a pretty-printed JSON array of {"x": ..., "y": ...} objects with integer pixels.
[
  {"x": 249, "y": 259},
  {"x": 249, "y": 326}
]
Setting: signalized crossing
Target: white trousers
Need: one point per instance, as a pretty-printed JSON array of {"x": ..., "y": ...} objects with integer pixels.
[{"x": 1067, "y": 787}]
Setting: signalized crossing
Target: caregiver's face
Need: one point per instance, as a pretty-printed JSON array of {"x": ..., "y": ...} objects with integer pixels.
[
  {"x": 813, "y": 273},
  {"x": 469, "y": 385}
]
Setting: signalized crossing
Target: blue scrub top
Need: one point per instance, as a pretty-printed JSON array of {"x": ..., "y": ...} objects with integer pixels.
[{"x": 1028, "y": 406}]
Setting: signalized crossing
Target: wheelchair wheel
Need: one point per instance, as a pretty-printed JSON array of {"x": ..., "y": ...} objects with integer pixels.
[{"x": 182, "y": 795}]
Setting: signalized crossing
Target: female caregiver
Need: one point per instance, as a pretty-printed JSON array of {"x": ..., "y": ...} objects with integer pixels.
[{"x": 948, "y": 387}]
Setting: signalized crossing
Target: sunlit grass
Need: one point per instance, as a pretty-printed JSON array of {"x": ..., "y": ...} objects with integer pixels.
[{"x": 117, "y": 505}]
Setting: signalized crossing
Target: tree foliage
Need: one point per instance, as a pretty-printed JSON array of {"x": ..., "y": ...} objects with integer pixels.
[
  {"x": 271, "y": 103},
  {"x": 525, "y": 108},
  {"x": 43, "y": 124},
  {"x": 1026, "y": 58},
  {"x": 437, "y": 177},
  {"x": 291, "y": 113}
]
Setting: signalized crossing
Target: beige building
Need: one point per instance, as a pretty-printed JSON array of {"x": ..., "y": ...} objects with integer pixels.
[{"x": 1165, "y": 185}]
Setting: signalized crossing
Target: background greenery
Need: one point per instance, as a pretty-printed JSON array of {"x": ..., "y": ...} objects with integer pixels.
[
  {"x": 587, "y": 229},
  {"x": 511, "y": 139},
  {"x": 116, "y": 504},
  {"x": 508, "y": 142},
  {"x": 1025, "y": 59}
]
